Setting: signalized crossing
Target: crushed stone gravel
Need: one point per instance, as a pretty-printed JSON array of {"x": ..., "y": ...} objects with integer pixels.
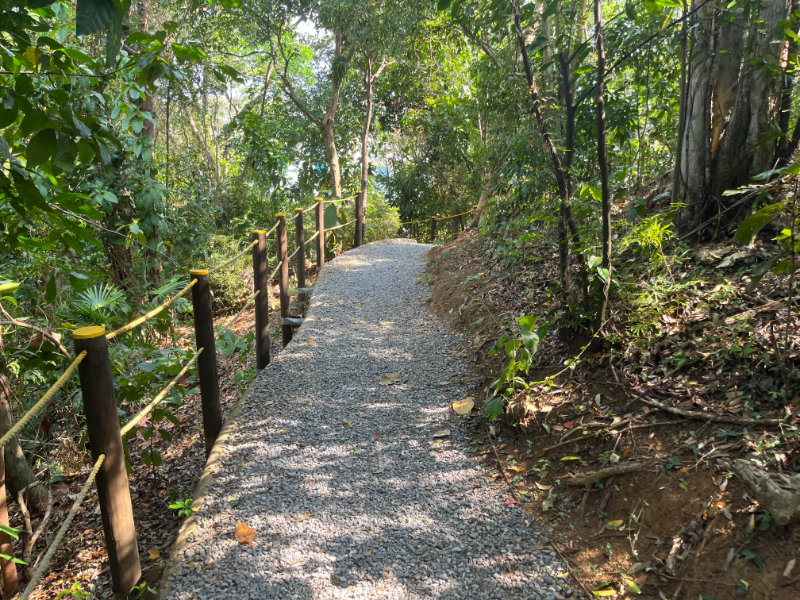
[{"x": 347, "y": 489}]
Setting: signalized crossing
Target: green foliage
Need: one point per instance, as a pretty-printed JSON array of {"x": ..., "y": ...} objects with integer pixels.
[
  {"x": 520, "y": 353},
  {"x": 183, "y": 507}
]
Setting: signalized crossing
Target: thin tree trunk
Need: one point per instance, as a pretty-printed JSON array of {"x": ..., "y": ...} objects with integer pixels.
[
  {"x": 602, "y": 161},
  {"x": 8, "y": 570},
  {"x": 676, "y": 172},
  {"x": 18, "y": 473},
  {"x": 201, "y": 141}
]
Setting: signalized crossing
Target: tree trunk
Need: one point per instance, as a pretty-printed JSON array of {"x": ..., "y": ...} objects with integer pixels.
[
  {"x": 8, "y": 569},
  {"x": 339, "y": 67},
  {"x": 732, "y": 104},
  {"x": 17, "y": 471},
  {"x": 602, "y": 161}
]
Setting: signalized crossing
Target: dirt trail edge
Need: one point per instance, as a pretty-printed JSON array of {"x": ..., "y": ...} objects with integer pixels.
[{"x": 344, "y": 474}]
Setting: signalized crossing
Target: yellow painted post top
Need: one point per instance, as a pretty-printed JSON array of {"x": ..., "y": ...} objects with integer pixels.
[
  {"x": 88, "y": 333},
  {"x": 259, "y": 231},
  {"x": 280, "y": 215},
  {"x": 319, "y": 199},
  {"x": 298, "y": 210},
  {"x": 198, "y": 271}
]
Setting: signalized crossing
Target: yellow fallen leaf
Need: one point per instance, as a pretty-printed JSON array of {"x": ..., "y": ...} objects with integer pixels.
[
  {"x": 614, "y": 524},
  {"x": 464, "y": 407},
  {"x": 389, "y": 379},
  {"x": 502, "y": 446},
  {"x": 244, "y": 534},
  {"x": 376, "y": 471},
  {"x": 514, "y": 468},
  {"x": 153, "y": 553},
  {"x": 310, "y": 340},
  {"x": 368, "y": 552},
  {"x": 571, "y": 458}
]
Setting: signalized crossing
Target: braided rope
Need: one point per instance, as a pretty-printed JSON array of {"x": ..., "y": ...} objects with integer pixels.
[
  {"x": 159, "y": 397},
  {"x": 151, "y": 314},
  {"x": 63, "y": 530},
  {"x": 45, "y": 400}
]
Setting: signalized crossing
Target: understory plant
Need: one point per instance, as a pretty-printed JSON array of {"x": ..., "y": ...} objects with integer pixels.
[{"x": 520, "y": 351}]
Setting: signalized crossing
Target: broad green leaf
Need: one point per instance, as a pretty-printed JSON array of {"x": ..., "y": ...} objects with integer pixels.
[
  {"x": 93, "y": 15},
  {"x": 494, "y": 407},
  {"x": 8, "y": 287},
  {"x": 8, "y": 115},
  {"x": 443, "y": 5},
  {"x": 41, "y": 147},
  {"x": 66, "y": 152},
  {"x": 496, "y": 346},
  {"x": 51, "y": 290},
  {"x": 749, "y": 228},
  {"x": 527, "y": 323},
  {"x": 331, "y": 218},
  {"x": 33, "y": 121},
  {"x": 531, "y": 341}
]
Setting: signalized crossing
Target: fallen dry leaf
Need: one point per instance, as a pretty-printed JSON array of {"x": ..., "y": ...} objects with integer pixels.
[
  {"x": 464, "y": 407},
  {"x": 244, "y": 534},
  {"x": 368, "y": 552},
  {"x": 442, "y": 433},
  {"x": 153, "y": 553},
  {"x": 305, "y": 517},
  {"x": 376, "y": 471},
  {"x": 389, "y": 379}
]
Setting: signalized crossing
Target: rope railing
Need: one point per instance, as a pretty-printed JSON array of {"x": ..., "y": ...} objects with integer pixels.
[
  {"x": 271, "y": 275},
  {"x": 223, "y": 330},
  {"x": 150, "y": 314},
  {"x": 159, "y": 397},
  {"x": 43, "y": 402},
  {"x": 45, "y": 561},
  {"x": 437, "y": 218},
  {"x": 340, "y": 226},
  {"x": 97, "y": 382},
  {"x": 347, "y": 199},
  {"x": 232, "y": 260}
]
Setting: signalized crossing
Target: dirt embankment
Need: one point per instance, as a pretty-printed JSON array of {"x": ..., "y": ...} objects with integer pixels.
[{"x": 678, "y": 524}]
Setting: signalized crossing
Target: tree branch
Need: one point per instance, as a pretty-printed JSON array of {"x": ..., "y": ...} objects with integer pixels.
[{"x": 44, "y": 332}]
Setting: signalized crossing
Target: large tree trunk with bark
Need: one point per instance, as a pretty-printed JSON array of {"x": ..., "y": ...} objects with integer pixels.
[{"x": 731, "y": 106}]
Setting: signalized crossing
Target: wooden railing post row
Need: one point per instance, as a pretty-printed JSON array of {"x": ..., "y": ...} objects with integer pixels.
[
  {"x": 358, "y": 237},
  {"x": 261, "y": 285},
  {"x": 300, "y": 238},
  {"x": 320, "y": 217},
  {"x": 205, "y": 338},
  {"x": 283, "y": 277},
  {"x": 433, "y": 229},
  {"x": 113, "y": 492}
]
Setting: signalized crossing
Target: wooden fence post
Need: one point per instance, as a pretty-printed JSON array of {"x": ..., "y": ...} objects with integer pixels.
[
  {"x": 300, "y": 238},
  {"x": 102, "y": 423},
  {"x": 433, "y": 229},
  {"x": 320, "y": 215},
  {"x": 283, "y": 278},
  {"x": 261, "y": 285},
  {"x": 205, "y": 338},
  {"x": 358, "y": 238}
]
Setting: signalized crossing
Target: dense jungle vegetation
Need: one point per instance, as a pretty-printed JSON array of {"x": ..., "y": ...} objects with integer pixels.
[{"x": 638, "y": 155}]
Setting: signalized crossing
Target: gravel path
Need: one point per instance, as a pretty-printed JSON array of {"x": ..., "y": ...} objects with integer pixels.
[{"x": 348, "y": 491}]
